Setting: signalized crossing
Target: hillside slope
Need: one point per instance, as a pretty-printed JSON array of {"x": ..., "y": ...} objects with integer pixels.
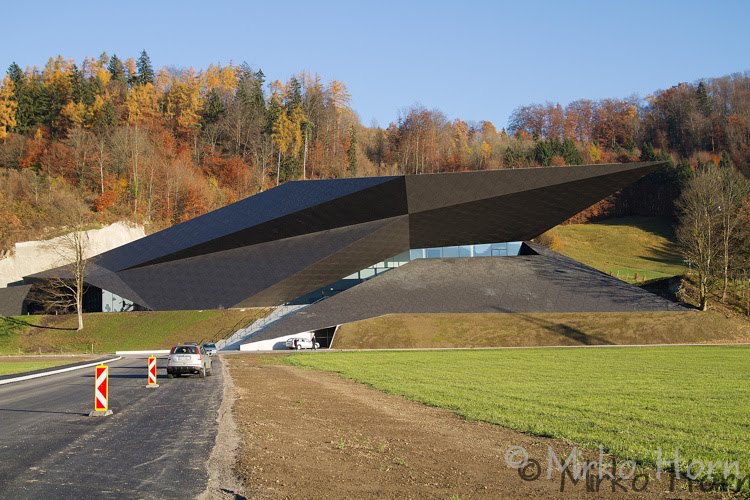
[{"x": 633, "y": 249}]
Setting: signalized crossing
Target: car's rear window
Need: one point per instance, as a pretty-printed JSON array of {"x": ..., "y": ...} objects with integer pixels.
[
  {"x": 184, "y": 349},
  {"x": 209, "y": 345}
]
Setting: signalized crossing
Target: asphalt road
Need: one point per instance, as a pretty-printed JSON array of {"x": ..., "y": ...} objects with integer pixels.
[{"x": 155, "y": 445}]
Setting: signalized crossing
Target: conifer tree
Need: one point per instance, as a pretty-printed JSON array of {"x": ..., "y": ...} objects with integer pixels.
[
  {"x": 117, "y": 70},
  {"x": 145, "y": 69}
]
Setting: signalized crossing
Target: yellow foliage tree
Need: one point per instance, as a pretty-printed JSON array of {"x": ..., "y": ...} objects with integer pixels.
[
  {"x": 339, "y": 95},
  {"x": 229, "y": 78},
  {"x": 282, "y": 136},
  {"x": 595, "y": 154},
  {"x": 223, "y": 79},
  {"x": 486, "y": 151},
  {"x": 130, "y": 68},
  {"x": 184, "y": 100},
  {"x": 7, "y": 107},
  {"x": 73, "y": 114},
  {"x": 297, "y": 119},
  {"x": 142, "y": 103},
  {"x": 56, "y": 71}
]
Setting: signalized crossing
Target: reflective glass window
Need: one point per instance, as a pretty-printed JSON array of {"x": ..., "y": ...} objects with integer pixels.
[{"x": 449, "y": 252}]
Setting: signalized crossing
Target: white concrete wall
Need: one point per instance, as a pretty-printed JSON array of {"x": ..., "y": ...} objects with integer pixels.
[
  {"x": 276, "y": 344},
  {"x": 36, "y": 256}
]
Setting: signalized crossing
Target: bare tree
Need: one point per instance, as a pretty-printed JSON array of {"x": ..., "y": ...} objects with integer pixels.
[
  {"x": 733, "y": 193},
  {"x": 699, "y": 231},
  {"x": 65, "y": 291}
]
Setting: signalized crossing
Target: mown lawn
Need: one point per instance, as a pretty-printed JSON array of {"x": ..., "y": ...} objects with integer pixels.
[
  {"x": 633, "y": 249},
  {"x": 9, "y": 367},
  {"x": 629, "y": 400},
  {"x": 540, "y": 329},
  {"x": 109, "y": 332}
]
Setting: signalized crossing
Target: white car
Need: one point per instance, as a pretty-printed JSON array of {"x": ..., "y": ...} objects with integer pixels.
[
  {"x": 188, "y": 358},
  {"x": 300, "y": 343}
]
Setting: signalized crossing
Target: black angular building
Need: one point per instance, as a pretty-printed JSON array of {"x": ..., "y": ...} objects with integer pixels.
[{"x": 303, "y": 236}]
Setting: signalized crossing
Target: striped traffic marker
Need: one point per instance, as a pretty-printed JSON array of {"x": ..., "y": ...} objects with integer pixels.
[
  {"x": 152, "y": 372},
  {"x": 101, "y": 392}
]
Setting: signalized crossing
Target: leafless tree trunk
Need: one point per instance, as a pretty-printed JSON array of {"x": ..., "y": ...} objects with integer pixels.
[
  {"x": 100, "y": 160},
  {"x": 734, "y": 191},
  {"x": 136, "y": 186},
  {"x": 699, "y": 231},
  {"x": 66, "y": 290},
  {"x": 278, "y": 168},
  {"x": 304, "y": 159}
]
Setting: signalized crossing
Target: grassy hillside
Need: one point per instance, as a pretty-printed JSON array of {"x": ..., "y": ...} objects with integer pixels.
[
  {"x": 631, "y": 401},
  {"x": 539, "y": 329},
  {"x": 109, "y": 332},
  {"x": 633, "y": 249}
]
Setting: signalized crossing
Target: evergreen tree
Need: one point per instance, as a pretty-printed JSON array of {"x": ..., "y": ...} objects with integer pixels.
[
  {"x": 145, "y": 70},
  {"x": 295, "y": 94},
  {"x": 117, "y": 70},
  {"x": 106, "y": 119},
  {"x": 213, "y": 108},
  {"x": 77, "y": 84},
  {"x": 704, "y": 101},
  {"x": 16, "y": 74},
  {"x": 570, "y": 153},
  {"x": 260, "y": 76},
  {"x": 32, "y": 100},
  {"x": 647, "y": 152},
  {"x": 725, "y": 162},
  {"x": 103, "y": 60},
  {"x": 543, "y": 153},
  {"x": 250, "y": 88}
]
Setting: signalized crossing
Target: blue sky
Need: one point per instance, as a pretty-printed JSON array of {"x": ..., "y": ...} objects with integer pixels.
[{"x": 471, "y": 59}]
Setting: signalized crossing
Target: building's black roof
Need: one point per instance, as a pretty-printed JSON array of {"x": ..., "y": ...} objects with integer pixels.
[
  {"x": 537, "y": 281},
  {"x": 288, "y": 241}
]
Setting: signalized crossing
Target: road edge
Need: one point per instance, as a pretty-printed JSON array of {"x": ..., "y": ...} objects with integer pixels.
[
  {"x": 56, "y": 370},
  {"x": 222, "y": 481}
]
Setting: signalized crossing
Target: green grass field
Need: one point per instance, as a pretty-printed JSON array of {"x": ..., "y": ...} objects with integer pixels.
[
  {"x": 9, "y": 367},
  {"x": 633, "y": 249},
  {"x": 540, "y": 329},
  {"x": 629, "y": 400},
  {"x": 109, "y": 332}
]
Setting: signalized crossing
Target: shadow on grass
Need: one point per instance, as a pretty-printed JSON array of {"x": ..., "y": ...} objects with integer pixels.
[
  {"x": 9, "y": 322},
  {"x": 567, "y": 331},
  {"x": 664, "y": 254}
]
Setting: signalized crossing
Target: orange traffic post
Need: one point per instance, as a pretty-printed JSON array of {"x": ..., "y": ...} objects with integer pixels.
[
  {"x": 152, "y": 372},
  {"x": 101, "y": 392}
]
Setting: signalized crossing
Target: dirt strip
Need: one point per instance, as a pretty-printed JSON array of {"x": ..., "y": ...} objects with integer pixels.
[
  {"x": 223, "y": 483},
  {"x": 307, "y": 434}
]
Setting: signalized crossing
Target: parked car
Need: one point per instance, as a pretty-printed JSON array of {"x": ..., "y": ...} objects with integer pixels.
[
  {"x": 188, "y": 358},
  {"x": 210, "y": 348},
  {"x": 301, "y": 343}
]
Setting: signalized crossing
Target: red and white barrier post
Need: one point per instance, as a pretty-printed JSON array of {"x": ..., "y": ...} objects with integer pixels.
[
  {"x": 152, "y": 372},
  {"x": 101, "y": 392}
]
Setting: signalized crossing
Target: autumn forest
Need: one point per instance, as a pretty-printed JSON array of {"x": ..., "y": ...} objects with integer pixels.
[{"x": 119, "y": 139}]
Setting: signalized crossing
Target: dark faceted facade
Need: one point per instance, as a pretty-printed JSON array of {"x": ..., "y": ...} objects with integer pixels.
[
  {"x": 283, "y": 243},
  {"x": 537, "y": 280}
]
